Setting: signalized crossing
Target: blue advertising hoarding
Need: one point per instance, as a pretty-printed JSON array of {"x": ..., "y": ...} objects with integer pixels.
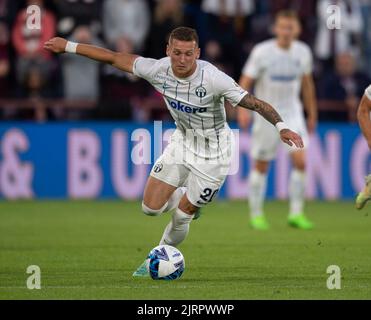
[{"x": 113, "y": 159}]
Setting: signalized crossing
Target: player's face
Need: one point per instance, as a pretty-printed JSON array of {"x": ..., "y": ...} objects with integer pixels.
[
  {"x": 286, "y": 30},
  {"x": 183, "y": 56}
]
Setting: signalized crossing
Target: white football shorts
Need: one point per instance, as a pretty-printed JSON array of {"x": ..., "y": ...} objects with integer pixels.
[
  {"x": 203, "y": 172},
  {"x": 266, "y": 140}
]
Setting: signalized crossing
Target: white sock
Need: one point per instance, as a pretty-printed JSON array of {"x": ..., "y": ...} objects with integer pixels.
[
  {"x": 174, "y": 199},
  {"x": 296, "y": 192},
  {"x": 177, "y": 230},
  {"x": 258, "y": 186}
]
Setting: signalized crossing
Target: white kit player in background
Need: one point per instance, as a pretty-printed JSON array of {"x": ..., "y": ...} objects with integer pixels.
[
  {"x": 364, "y": 120},
  {"x": 279, "y": 69},
  {"x": 194, "y": 92}
]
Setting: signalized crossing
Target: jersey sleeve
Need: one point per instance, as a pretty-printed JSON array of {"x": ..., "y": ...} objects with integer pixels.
[
  {"x": 253, "y": 65},
  {"x": 144, "y": 68},
  {"x": 368, "y": 92},
  {"x": 308, "y": 61},
  {"x": 227, "y": 88}
]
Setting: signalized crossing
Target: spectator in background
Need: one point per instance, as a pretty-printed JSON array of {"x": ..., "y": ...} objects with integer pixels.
[
  {"x": 168, "y": 14},
  {"x": 4, "y": 61},
  {"x": 73, "y": 13},
  {"x": 332, "y": 41},
  {"x": 366, "y": 35},
  {"x": 8, "y": 11},
  {"x": 227, "y": 22},
  {"x": 81, "y": 77},
  {"x": 119, "y": 88},
  {"x": 260, "y": 22},
  {"x": 5, "y": 85},
  {"x": 193, "y": 17},
  {"x": 343, "y": 87},
  {"x": 126, "y": 19},
  {"x": 32, "y": 60}
]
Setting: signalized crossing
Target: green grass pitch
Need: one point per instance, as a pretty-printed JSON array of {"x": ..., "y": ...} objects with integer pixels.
[{"x": 89, "y": 250}]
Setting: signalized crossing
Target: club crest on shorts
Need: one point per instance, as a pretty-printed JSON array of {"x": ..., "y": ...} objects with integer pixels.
[
  {"x": 158, "y": 167},
  {"x": 200, "y": 91}
]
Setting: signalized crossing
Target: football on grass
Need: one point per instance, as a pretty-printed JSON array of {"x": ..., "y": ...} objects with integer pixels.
[{"x": 165, "y": 263}]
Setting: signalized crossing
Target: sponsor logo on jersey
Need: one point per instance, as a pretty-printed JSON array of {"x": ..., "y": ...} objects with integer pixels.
[
  {"x": 282, "y": 78},
  {"x": 200, "y": 92},
  {"x": 177, "y": 105}
]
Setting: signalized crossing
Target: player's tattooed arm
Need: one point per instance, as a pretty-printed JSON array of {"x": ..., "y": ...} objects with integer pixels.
[
  {"x": 263, "y": 108},
  {"x": 270, "y": 114}
]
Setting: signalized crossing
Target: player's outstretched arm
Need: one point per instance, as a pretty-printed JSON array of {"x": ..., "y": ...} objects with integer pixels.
[
  {"x": 122, "y": 61},
  {"x": 363, "y": 115},
  {"x": 270, "y": 114}
]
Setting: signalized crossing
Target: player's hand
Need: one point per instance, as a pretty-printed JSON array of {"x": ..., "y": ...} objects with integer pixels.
[
  {"x": 243, "y": 118},
  {"x": 291, "y": 138},
  {"x": 311, "y": 124},
  {"x": 56, "y": 45}
]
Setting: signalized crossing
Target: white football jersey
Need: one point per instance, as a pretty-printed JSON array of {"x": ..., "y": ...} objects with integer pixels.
[
  {"x": 278, "y": 74},
  {"x": 368, "y": 92},
  {"x": 196, "y": 102}
]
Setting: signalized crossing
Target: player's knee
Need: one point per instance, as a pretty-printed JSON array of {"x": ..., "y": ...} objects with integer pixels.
[
  {"x": 262, "y": 166},
  {"x": 153, "y": 211},
  {"x": 299, "y": 165},
  {"x": 298, "y": 160}
]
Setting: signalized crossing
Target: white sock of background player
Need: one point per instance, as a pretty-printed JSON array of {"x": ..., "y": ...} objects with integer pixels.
[
  {"x": 177, "y": 229},
  {"x": 296, "y": 192},
  {"x": 258, "y": 186}
]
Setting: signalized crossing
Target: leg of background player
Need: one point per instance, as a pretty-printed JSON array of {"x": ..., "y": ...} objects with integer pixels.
[
  {"x": 297, "y": 183},
  {"x": 258, "y": 186},
  {"x": 297, "y": 192},
  {"x": 365, "y": 194},
  {"x": 177, "y": 229}
]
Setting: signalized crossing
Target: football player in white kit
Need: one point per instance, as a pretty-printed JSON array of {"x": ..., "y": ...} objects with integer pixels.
[
  {"x": 194, "y": 92},
  {"x": 279, "y": 69},
  {"x": 363, "y": 115}
]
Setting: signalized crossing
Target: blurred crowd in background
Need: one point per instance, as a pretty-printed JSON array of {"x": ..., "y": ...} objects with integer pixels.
[{"x": 37, "y": 85}]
